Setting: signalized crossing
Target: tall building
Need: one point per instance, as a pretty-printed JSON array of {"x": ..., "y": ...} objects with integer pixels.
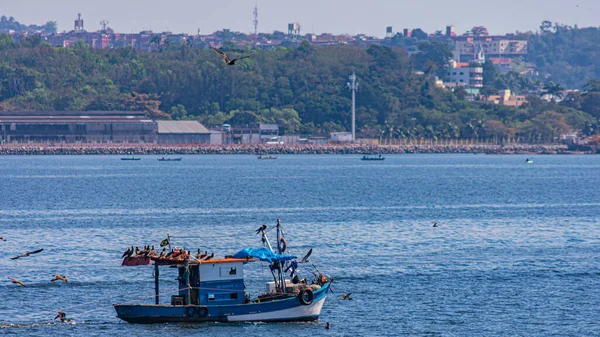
[{"x": 467, "y": 47}]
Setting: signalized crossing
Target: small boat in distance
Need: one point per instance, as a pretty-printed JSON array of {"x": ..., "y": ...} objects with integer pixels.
[
  {"x": 169, "y": 159},
  {"x": 365, "y": 157},
  {"x": 130, "y": 158},
  {"x": 266, "y": 157},
  {"x": 529, "y": 161}
]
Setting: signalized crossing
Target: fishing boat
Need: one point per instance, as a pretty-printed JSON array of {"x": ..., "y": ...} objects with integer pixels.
[
  {"x": 213, "y": 289},
  {"x": 170, "y": 159},
  {"x": 130, "y": 158},
  {"x": 372, "y": 157},
  {"x": 266, "y": 157}
]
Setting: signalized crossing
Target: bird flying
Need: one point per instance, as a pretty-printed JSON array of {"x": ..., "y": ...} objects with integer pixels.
[
  {"x": 15, "y": 281},
  {"x": 58, "y": 277},
  {"x": 228, "y": 61},
  {"x": 434, "y": 224},
  {"x": 305, "y": 258},
  {"x": 26, "y": 254}
]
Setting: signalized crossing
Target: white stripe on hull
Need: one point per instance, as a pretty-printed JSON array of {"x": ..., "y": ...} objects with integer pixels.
[{"x": 300, "y": 311}]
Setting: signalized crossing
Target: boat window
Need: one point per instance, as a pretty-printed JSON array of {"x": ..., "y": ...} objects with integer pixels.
[
  {"x": 211, "y": 297},
  {"x": 228, "y": 271},
  {"x": 233, "y": 296}
]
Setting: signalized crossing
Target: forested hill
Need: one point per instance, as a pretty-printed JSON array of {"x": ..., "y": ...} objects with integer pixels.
[
  {"x": 303, "y": 89},
  {"x": 566, "y": 55}
]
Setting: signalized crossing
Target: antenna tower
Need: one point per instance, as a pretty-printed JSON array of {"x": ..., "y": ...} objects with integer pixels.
[
  {"x": 103, "y": 24},
  {"x": 255, "y": 21}
]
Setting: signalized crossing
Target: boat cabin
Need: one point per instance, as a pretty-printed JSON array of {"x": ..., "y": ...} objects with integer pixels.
[{"x": 212, "y": 282}]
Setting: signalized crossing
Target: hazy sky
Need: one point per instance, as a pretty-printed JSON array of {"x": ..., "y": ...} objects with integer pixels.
[{"x": 332, "y": 16}]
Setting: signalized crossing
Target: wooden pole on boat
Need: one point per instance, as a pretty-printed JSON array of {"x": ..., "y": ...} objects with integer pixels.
[
  {"x": 156, "y": 273},
  {"x": 187, "y": 279}
]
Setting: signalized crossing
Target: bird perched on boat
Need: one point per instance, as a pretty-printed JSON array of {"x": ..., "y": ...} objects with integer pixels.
[
  {"x": 347, "y": 297},
  {"x": 63, "y": 317},
  {"x": 204, "y": 255},
  {"x": 26, "y": 254},
  {"x": 229, "y": 62},
  {"x": 209, "y": 257},
  {"x": 434, "y": 224},
  {"x": 58, "y": 277},
  {"x": 169, "y": 254},
  {"x": 261, "y": 228},
  {"x": 15, "y": 281},
  {"x": 137, "y": 251},
  {"x": 128, "y": 252},
  {"x": 163, "y": 253}
]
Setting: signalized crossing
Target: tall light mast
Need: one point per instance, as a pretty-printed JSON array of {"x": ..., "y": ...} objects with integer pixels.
[{"x": 353, "y": 86}]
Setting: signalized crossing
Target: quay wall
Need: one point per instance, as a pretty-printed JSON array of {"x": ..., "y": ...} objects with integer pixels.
[{"x": 276, "y": 149}]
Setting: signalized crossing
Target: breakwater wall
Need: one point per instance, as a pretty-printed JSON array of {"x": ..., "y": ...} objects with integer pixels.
[{"x": 263, "y": 149}]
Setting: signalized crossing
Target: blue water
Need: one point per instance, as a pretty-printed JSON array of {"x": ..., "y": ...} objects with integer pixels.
[{"x": 515, "y": 254}]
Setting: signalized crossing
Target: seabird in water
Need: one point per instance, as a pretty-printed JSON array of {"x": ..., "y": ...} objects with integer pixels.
[
  {"x": 434, "y": 224},
  {"x": 347, "y": 297},
  {"x": 59, "y": 277},
  {"x": 228, "y": 61},
  {"x": 63, "y": 317}
]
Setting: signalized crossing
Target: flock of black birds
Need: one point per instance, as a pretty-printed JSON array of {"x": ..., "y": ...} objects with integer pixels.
[{"x": 176, "y": 253}]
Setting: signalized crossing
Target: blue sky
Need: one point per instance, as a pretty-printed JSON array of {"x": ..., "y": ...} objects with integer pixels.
[{"x": 332, "y": 16}]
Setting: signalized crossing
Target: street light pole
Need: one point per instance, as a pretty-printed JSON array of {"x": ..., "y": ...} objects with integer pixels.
[{"x": 353, "y": 86}]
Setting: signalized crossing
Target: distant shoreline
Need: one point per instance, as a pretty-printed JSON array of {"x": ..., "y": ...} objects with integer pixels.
[{"x": 151, "y": 149}]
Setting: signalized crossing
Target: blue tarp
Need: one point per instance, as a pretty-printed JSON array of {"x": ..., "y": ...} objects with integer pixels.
[{"x": 264, "y": 254}]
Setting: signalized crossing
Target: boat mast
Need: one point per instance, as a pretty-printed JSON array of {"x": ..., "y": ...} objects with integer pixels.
[{"x": 280, "y": 263}]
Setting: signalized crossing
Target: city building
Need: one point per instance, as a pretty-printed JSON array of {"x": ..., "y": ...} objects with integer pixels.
[
  {"x": 505, "y": 97},
  {"x": 341, "y": 137},
  {"x": 465, "y": 75},
  {"x": 467, "y": 47}
]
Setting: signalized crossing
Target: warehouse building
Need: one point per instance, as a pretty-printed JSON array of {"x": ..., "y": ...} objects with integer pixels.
[
  {"x": 182, "y": 132},
  {"x": 77, "y": 127}
]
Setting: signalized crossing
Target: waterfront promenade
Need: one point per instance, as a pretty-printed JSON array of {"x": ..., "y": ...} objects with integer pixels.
[{"x": 149, "y": 149}]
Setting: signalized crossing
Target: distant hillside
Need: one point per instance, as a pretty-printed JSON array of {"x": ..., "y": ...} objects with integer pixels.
[
  {"x": 566, "y": 55},
  {"x": 8, "y": 24},
  {"x": 303, "y": 89}
]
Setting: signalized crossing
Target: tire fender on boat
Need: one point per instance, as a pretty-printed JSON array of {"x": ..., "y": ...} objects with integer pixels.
[
  {"x": 306, "y": 296},
  {"x": 191, "y": 311},
  {"x": 202, "y": 311},
  {"x": 283, "y": 244}
]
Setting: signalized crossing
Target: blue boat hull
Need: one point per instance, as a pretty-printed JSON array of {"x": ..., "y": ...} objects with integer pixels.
[{"x": 285, "y": 310}]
